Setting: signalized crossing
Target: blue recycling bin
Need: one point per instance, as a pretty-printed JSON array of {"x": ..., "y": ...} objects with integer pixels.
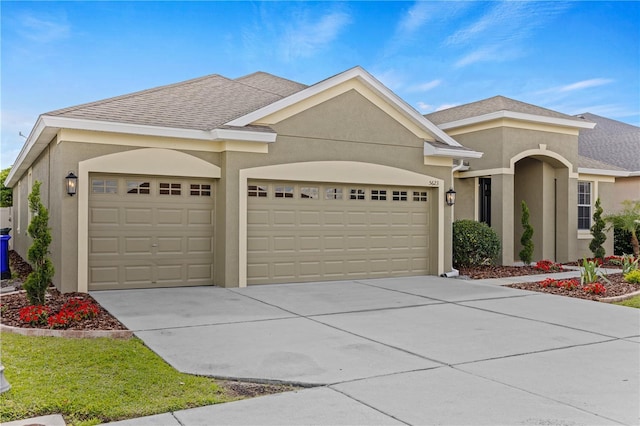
[{"x": 4, "y": 256}]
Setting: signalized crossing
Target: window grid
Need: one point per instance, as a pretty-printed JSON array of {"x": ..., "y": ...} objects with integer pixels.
[
  {"x": 309, "y": 192},
  {"x": 419, "y": 196},
  {"x": 333, "y": 194},
  {"x": 170, "y": 188},
  {"x": 283, "y": 192},
  {"x": 584, "y": 205},
  {"x": 379, "y": 194},
  {"x": 257, "y": 191},
  {"x": 399, "y": 196},
  {"x": 138, "y": 187},
  {"x": 102, "y": 186},
  {"x": 357, "y": 194},
  {"x": 200, "y": 190}
]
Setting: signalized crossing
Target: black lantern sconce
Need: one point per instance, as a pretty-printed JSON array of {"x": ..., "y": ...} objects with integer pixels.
[
  {"x": 71, "y": 183},
  {"x": 450, "y": 197}
]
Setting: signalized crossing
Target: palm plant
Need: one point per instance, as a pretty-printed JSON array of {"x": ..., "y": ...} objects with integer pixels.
[{"x": 628, "y": 219}]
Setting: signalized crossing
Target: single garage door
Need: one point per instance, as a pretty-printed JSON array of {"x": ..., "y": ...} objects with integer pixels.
[
  {"x": 317, "y": 232},
  {"x": 150, "y": 232}
]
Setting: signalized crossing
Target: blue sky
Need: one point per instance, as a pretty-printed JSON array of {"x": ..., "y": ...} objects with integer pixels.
[{"x": 573, "y": 57}]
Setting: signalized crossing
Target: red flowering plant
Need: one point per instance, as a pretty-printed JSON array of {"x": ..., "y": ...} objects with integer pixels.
[
  {"x": 548, "y": 266},
  {"x": 35, "y": 314},
  {"x": 72, "y": 311},
  {"x": 595, "y": 288},
  {"x": 549, "y": 282},
  {"x": 571, "y": 284}
]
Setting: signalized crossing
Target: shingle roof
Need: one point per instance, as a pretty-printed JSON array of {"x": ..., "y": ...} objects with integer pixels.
[
  {"x": 487, "y": 106},
  {"x": 611, "y": 142},
  {"x": 590, "y": 163},
  {"x": 201, "y": 104}
]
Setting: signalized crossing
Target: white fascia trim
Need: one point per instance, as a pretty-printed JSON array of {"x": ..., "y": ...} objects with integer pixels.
[
  {"x": 601, "y": 172},
  {"x": 368, "y": 80},
  {"x": 243, "y": 135},
  {"x": 170, "y": 132},
  {"x": 34, "y": 145},
  {"x": 517, "y": 116},
  {"x": 47, "y": 127},
  {"x": 430, "y": 150}
]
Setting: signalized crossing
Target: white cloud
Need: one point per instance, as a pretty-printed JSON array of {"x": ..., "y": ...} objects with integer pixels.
[
  {"x": 446, "y": 106},
  {"x": 500, "y": 32},
  {"x": 43, "y": 30},
  {"x": 424, "y": 87},
  {"x": 584, "y": 84},
  {"x": 308, "y": 36},
  {"x": 424, "y": 107},
  {"x": 415, "y": 17}
]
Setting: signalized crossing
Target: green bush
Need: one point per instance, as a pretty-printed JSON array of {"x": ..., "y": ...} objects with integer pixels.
[
  {"x": 622, "y": 240},
  {"x": 474, "y": 243},
  {"x": 526, "y": 254},
  {"x": 633, "y": 277},
  {"x": 597, "y": 231},
  {"x": 38, "y": 254}
]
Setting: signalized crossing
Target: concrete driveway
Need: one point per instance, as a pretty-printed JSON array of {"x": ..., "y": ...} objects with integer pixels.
[{"x": 416, "y": 350}]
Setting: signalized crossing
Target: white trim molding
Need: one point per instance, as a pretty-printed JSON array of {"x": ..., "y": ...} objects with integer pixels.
[
  {"x": 555, "y": 121},
  {"x": 333, "y": 171}
]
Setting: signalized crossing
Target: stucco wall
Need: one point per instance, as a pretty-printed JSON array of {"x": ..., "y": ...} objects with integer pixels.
[{"x": 346, "y": 128}]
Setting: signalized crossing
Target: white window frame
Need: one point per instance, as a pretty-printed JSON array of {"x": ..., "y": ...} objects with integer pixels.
[{"x": 587, "y": 204}]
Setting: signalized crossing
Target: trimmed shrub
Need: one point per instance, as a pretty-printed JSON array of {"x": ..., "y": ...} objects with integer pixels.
[
  {"x": 38, "y": 254},
  {"x": 622, "y": 240},
  {"x": 474, "y": 243},
  {"x": 597, "y": 231},
  {"x": 633, "y": 277},
  {"x": 526, "y": 254}
]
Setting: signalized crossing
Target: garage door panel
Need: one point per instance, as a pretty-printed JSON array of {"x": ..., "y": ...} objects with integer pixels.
[
  {"x": 313, "y": 239},
  {"x": 137, "y": 245},
  {"x": 105, "y": 245},
  {"x": 104, "y": 216},
  {"x": 170, "y": 217},
  {"x": 138, "y": 216},
  {"x": 151, "y": 239},
  {"x": 170, "y": 245}
]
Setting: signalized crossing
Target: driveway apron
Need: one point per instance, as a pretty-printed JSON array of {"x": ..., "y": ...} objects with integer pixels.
[{"x": 415, "y": 350}]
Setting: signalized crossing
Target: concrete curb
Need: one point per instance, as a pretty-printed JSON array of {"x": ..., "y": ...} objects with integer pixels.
[
  {"x": 52, "y": 420},
  {"x": 614, "y": 299},
  {"x": 71, "y": 334}
]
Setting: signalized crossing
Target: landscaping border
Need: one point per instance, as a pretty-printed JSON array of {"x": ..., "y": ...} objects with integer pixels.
[
  {"x": 614, "y": 299},
  {"x": 70, "y": 334}
]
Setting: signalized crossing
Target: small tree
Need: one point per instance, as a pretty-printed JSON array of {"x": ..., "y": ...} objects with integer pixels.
[
  {"x": 597, "y": 230},
  {"x": 6, "y": 194},
  {"x": 38, "y": 254},
  {"x": 627, "y": 219},
  {"x": 526, "y": 254}
]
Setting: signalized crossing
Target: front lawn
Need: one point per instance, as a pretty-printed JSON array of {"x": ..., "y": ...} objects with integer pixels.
[
  {"x": 634, "y": 302},
  {"x": 91, "y": 381}
]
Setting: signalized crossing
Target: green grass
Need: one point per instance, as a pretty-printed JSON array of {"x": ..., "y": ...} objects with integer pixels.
[
  {"x": 634, "y": 302},
  {"x": 91, "y": 381}
]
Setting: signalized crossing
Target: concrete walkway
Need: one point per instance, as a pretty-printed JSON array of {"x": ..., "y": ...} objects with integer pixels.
[{"x": 415, "y": 350}]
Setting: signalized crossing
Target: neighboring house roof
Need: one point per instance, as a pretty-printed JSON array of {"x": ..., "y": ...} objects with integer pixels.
[
  {"x": 612, "y": 142},
  {"x": 490, "y": 105},
  {"x": 201, "y": 104}
]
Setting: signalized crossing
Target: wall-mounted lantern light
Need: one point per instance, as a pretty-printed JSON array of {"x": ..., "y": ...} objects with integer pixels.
[
  {"x": 72, "y": 183},
  {"x": 450, "y": 197}
]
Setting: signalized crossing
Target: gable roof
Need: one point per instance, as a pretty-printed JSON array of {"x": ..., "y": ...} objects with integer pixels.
[
  {"x": 501, "y": 107},
  {"x": 611, "y": 142},
  {"x": 200, "y": 104},
  {"x": 212, "y": 107}
]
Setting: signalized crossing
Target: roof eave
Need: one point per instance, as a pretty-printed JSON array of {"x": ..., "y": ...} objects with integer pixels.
[
  {"x": 430, "y": 150},
  {"x": 556, "y": 121},
  {"x": 47, "y": 127},
  {"x": 604, "y": 172},
  {"x": 364, "y": 77}
]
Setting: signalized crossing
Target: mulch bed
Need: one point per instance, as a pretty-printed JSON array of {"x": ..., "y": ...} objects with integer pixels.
[
  {"x": 616, "y": 287},
  {"x": 249, "y": 390},
  {"x": 485, "y": 272}
]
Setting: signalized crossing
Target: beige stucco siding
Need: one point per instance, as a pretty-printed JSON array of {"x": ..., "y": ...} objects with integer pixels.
[{"x": 337, "y": 135}]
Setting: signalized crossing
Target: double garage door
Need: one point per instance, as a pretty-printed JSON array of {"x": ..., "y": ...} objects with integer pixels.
[
  {"x": 150, "y": 232},
  {"x": 316, "y": 232}
]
